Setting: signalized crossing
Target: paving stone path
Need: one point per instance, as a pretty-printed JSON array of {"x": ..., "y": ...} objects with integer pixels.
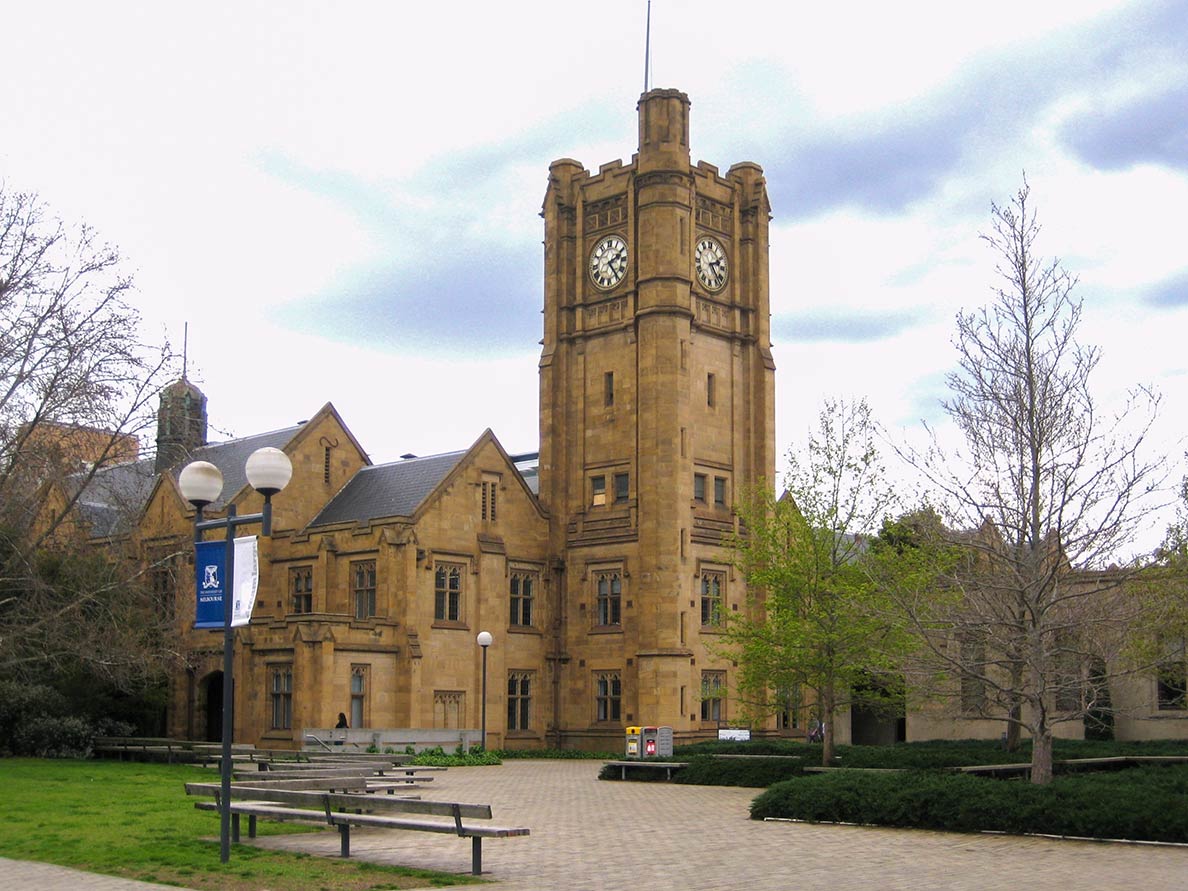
[{"x": 589, "y": 835}]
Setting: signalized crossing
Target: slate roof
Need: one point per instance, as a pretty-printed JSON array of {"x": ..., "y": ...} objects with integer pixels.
[
  {"x": 116, "y": 495},
  {"x": 113, "y": 499},
  {"x": 388, "y": 490},
  {"x": 231, "y": 458}
]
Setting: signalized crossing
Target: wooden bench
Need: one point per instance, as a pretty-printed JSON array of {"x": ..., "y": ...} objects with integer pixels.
[
  {"x": 159, "y": 748},
  {"x": 304, "y": 784},
  {"x": 669, "y": 767},
  {"x": 360, "y": 784},
  {"x": 390, "y": 774},
  {"x": 322, "y": 764},
  {"x": 345, "y": 809},
  {"x": 333, "y": 782}
]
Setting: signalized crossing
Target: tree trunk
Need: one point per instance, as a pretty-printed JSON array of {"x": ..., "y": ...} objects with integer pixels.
[
  {"x": 1013, "y": 732},
  {"x": 1041, "y": 756},
  {"x": 827, "y": 700}
]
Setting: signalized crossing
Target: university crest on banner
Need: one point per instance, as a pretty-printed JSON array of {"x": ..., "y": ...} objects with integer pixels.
[{"x": 210, "y": 581}]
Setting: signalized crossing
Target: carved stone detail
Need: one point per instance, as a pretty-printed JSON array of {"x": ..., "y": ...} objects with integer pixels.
[
  {"x": 660, "y": 178},
  {"x": 612, "y": 312},
  {"x": 605, "y": 214},
  {"x": 715, "y": 215},
  {"x": 714, "y": 315}
]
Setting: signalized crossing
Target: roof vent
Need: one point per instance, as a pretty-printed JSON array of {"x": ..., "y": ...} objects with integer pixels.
[{"x": 407, "y": 456}]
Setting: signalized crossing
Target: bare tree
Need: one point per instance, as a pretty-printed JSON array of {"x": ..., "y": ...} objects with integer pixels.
[
  {"x": 77, "y": 388},
  {"x": 1049, "y": 489}
]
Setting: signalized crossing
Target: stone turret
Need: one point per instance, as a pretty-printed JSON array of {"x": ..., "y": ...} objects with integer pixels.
[{"x": 181, "y": 423}]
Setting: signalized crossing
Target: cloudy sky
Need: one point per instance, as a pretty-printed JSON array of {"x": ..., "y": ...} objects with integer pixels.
[{"x": 342, "y": 199}]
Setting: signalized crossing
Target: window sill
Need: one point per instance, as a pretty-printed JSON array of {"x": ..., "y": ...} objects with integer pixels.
[
  {"x": 712, "y": 629},
  {"x": 278, "y": 734},
  {"x": 607, "y": 629},
  {"x": 447, "y": 625},
  {"x": 524, "y": 629}
]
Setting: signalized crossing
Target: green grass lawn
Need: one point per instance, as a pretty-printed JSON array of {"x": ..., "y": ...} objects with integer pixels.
[{"x": 135, "y": 820}]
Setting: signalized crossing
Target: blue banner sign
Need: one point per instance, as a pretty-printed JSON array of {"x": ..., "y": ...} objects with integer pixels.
[{"x": 210, "y": 566}]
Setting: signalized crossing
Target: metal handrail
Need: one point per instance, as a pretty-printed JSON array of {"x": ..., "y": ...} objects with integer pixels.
[{"x": 309, "y": 737}]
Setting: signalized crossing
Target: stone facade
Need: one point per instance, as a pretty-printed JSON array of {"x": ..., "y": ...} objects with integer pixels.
[{"x": 352, "y": 615}]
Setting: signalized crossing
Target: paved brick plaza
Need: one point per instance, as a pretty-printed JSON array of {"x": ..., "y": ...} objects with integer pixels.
[{"x": 588, "y": 834}]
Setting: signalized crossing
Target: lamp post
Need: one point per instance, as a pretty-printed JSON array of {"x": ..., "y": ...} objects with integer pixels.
[
  {"x": 268, "y": 471},
  {"x": 484, "y": 640}
]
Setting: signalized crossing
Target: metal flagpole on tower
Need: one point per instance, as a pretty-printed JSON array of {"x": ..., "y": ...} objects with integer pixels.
[{"x": 647, "y": 45}]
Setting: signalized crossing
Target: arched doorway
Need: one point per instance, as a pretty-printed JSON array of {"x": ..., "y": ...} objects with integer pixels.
[{"x": 212, "y": 695}]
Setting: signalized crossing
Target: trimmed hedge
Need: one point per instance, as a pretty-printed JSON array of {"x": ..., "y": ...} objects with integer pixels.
[
  {"x": 555, "y": 754},
  {"x": 1144, "y": 803},
  {"x": 932, "y": 753},
  {"x": 754, "y": 747},
  {"x": 757, "y": 771}
]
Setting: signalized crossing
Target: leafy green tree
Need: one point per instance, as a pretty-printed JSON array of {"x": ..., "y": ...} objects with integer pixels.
[{"x": 817, "y": 621}]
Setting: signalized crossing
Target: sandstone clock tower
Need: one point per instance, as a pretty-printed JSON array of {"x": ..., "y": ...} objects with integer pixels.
[{"x": 656, "y": 411}]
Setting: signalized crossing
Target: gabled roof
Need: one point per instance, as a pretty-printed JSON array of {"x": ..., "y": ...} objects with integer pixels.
[
  {"x": 115, "y": 496},
  {"x": 231, "y": 458},
  {"x": 113, "y": 499},
  {"x": 388, "y": 490},
  {"x": 401, "y": 488}
]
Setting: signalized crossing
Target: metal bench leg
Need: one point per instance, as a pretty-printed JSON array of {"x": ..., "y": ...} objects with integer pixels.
[
  {"x": 235, "y": 828},
  {"x": 344, "y": 835},
  {"x": 476, "y": 856},
  {"x": 251, "y": 825}
]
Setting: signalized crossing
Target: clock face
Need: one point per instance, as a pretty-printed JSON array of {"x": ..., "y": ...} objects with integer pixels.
[
  {"x": 608, "y": 262},
  {"x": 711, "y": 263}
]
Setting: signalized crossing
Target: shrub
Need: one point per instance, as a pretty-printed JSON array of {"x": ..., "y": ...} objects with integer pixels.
[
  {"x": 437, "y": 757},
  {"x": 54, "y": 736},
  {"x": 754, "y": 747},
  {"x": 555, "y": 754},
  {"x": 931, "y": 754},
  {"x": 1140, "y": 803},
  {"x": 26, "y": 715},
  {"x": 757, "y": 771}
]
